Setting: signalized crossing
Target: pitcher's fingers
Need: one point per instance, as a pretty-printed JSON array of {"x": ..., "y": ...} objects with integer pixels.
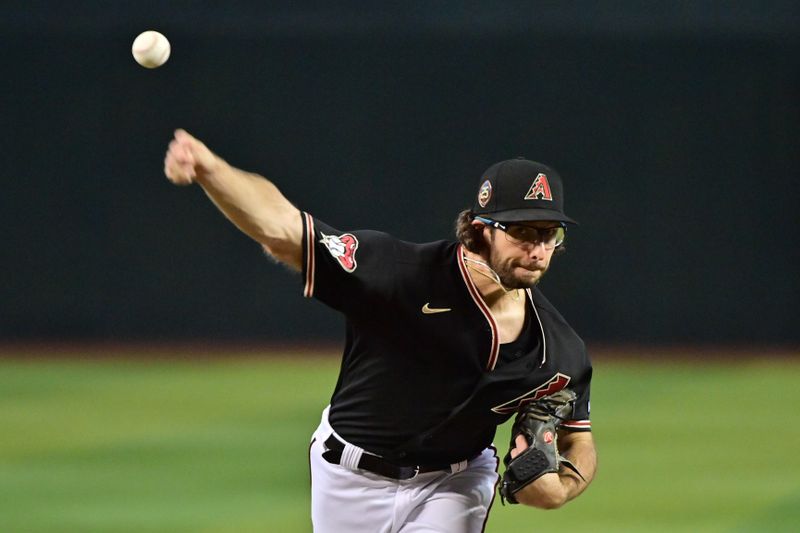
[
  {"x": 520, "y": 444},
  {"x": 177, "y": 173},
  {"x": 183, "y": 135},
  {"x": 181, "y": 151}
]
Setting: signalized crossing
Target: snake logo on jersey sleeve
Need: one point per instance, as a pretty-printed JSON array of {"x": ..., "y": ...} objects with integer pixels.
[
  {"x": 343, "y": 248},
  {"x": 551, "y": 386},
  {"x": 540, "y": 189}
]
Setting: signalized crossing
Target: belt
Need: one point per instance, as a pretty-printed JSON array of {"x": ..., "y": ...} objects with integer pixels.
[{"x": 380, "y": 466}]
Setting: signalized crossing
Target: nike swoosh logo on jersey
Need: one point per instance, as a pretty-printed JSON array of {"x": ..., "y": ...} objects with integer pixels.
[{"x": 427, "y": 310}]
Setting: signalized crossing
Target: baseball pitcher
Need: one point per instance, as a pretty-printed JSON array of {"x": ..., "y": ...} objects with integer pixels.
[{"x": 444, "y": 341}]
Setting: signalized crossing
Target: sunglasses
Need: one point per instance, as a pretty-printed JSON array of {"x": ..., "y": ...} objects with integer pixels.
[{"x": 522, "y": 235}]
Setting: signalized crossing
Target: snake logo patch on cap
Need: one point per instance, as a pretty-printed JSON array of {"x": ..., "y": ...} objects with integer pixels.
[
  {"x": 540, "y": 189},
  {"x": 343, "y": 248},
  {"x": 485, "y": 193}
]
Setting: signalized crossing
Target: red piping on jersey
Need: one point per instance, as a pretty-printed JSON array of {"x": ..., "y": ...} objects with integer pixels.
[
  {"x": 308, "y": 290},
  {"x": 541, "y": 327},
  {"x": 476, "y": 297}
]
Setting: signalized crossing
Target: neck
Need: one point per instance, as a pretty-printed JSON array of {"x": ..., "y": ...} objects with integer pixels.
[{"x": 487, "y": 281}]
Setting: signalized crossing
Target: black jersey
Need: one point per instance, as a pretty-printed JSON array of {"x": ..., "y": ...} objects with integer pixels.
[{"x": 423, "y": 378}]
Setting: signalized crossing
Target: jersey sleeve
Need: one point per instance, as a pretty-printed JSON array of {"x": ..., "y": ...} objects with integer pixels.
[
  {"x": 350, "y": 271},
  {"x": 580, "y": 415}
]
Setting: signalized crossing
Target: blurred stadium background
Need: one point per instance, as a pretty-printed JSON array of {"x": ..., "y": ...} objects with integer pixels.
[{"x": 158, "y": 374}]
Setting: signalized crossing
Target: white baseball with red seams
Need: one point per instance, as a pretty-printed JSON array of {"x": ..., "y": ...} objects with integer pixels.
[{"x": 151, "y": 49}]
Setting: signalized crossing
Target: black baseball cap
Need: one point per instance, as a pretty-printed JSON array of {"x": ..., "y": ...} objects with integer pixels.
[{"x": 520, "y": 190}]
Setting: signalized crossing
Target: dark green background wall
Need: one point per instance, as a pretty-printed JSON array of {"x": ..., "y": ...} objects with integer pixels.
[{"x": 676, "y": 132}]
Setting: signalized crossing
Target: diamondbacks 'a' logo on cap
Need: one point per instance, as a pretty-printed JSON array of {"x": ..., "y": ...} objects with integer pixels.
[
  {"x": 540, "y": 189},
  {"x": 343, "y": 248},
  {"x": 485, "y": 193}
]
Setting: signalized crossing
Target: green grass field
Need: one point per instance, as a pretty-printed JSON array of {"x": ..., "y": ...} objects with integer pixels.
[{"x": 219, "y": 445}]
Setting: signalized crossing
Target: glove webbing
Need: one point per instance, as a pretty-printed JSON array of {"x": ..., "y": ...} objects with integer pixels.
[{"x": 543, "y": 410}]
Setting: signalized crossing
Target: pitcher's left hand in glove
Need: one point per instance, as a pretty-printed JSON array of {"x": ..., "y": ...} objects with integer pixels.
[{"x": 537, "y": 422}]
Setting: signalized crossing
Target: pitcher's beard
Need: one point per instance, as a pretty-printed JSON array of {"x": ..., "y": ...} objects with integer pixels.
[{"x": 510, "y": 280}]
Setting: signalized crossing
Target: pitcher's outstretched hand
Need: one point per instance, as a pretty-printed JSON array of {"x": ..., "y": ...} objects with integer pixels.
[{"x": 188, "y": 159}]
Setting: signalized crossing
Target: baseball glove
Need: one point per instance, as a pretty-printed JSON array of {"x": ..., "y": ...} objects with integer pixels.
[{"x": 537, "y": 421}]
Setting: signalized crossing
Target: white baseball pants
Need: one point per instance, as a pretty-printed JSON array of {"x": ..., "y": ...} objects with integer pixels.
[{"x": 348, "y": 500}]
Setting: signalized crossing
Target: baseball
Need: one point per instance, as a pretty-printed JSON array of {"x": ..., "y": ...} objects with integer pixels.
[{"x": 150, "y": 49}]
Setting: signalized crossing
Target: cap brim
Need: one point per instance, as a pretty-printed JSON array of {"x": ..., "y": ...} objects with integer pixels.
[{"x": 525, "y": 215}]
